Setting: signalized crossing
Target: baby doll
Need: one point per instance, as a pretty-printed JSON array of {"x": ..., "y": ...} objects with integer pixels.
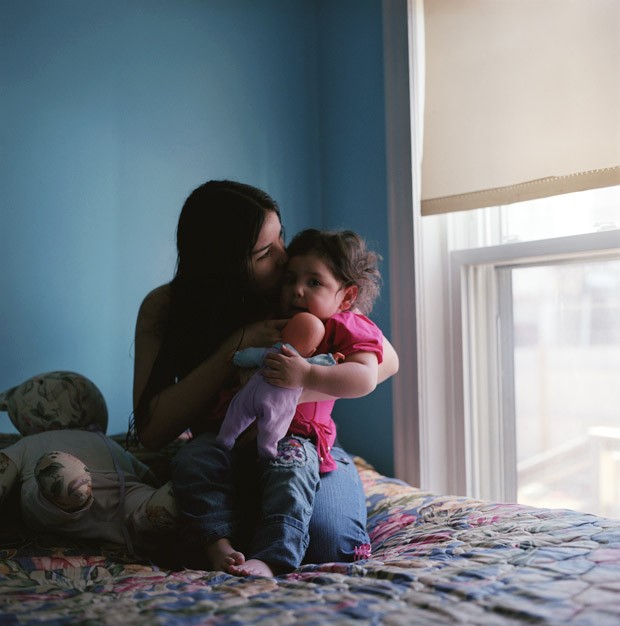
[
  {"x": 273, "y": 408},
  {"x": 75, "y": 481}
]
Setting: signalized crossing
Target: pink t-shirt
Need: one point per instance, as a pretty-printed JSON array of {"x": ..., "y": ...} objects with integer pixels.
[{"x": 345, "y": 332}]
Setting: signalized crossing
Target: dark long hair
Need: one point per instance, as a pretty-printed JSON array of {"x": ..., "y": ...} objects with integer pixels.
[
  {"x": 348, "y": 258},
  {"x": 212, "y": 293}
]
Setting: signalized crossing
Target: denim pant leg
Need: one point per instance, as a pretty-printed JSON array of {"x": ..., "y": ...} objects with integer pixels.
[
  {"x": 203, "y": 484},
  {"x": 338, "y": 524},
  {"x": 288, "y": 486}
]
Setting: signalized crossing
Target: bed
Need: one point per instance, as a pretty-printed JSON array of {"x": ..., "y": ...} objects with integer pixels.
[{"x": 436, "y": 559}]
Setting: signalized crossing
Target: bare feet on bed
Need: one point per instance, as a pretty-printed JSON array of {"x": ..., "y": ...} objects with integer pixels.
[
  {"x": 223, "y": 556},
  {"x": 253, "y": 567}
]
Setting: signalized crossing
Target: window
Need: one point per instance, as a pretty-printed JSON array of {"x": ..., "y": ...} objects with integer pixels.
[
  {"x": 535, "y": 334},
  {"x": 566, "y": 347}
]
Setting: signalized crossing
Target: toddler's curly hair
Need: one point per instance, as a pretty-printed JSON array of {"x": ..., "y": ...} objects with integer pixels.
[{"x": 347, "y": 256}]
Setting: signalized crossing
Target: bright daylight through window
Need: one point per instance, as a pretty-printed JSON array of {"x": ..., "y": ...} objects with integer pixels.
[{"x": 554, "y": 352}]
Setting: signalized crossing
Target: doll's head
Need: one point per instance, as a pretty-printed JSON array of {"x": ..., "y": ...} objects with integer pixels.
[
  {"x": 64, "y": 480},
  {"x": 304, "y": 332}
]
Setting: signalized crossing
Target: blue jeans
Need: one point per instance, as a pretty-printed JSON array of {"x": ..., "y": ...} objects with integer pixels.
[
  {"x": 218, "y": 494},
  {"x": 278, "y": 511},
  {"x": 338, "y": 523}
]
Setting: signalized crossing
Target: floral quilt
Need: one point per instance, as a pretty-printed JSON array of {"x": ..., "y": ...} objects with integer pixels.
[{"x": 435, "y": 560}]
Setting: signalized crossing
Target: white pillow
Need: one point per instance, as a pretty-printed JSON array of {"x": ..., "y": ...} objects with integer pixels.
[{"x": 53, "y": 401}]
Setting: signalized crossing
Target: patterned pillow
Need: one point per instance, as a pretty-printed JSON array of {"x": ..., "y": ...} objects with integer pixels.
[{"x": 55, "y": 400}]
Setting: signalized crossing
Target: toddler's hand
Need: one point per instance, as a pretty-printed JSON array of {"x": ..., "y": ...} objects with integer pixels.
[{"x": 286, "y": 369}]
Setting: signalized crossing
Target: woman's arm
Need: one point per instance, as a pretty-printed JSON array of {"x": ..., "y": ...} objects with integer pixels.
[
  {"x": 181, "y": 405},
  {"x": 389, "y": 366},
  {"x": 175, "y": 408}
]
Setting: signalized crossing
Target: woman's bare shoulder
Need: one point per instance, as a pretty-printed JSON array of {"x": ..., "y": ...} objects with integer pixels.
[
  {"x": 157, "y": 298},
  {"x": 154, "y": 310}
]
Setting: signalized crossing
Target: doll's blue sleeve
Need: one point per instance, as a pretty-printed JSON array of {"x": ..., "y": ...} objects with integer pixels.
[
  {"x": 253, "y": 357},
  {"x": 249, "y": 357},
  {"x": 322, "y": 359}
]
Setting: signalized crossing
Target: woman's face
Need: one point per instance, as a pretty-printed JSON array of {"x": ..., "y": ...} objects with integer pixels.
[{"x": 269, "y": 254}]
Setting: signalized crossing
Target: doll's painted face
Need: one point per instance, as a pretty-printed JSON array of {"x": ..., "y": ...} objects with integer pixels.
[{"x": 64, "y": 480}]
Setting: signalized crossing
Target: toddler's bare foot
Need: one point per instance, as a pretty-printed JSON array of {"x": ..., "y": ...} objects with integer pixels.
[
  {"x": 223, "y": 556},
  {"x": 253, "y": 567}
]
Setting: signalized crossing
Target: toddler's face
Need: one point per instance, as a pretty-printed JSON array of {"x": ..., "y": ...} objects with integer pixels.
[{"x": 309, "y": 285}]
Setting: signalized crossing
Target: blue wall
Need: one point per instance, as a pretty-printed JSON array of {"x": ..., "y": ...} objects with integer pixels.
[
  {"x": 354, "y": 183},
  {"x": 112, "y": 112}
]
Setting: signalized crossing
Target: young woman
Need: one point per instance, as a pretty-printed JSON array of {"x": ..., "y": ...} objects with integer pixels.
[{"x": 231, "y": 256}]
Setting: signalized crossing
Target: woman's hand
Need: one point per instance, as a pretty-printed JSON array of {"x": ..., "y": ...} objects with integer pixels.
[
  {"x": 286, "y": 369},
  {"x": 261, "y": 334}
]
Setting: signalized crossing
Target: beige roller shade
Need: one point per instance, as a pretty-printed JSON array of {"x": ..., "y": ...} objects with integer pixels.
[{"x": 522, "y": 100}]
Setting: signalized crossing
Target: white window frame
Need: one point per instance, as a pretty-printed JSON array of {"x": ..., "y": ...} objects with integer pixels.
[{"x": 483, "y": 349}]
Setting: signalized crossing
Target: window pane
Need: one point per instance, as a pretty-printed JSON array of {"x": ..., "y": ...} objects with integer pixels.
[
  {"x": 567, "y": 385},
  {"x": 589, "y": 211},
  {"x": 578, "y": 213}
]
